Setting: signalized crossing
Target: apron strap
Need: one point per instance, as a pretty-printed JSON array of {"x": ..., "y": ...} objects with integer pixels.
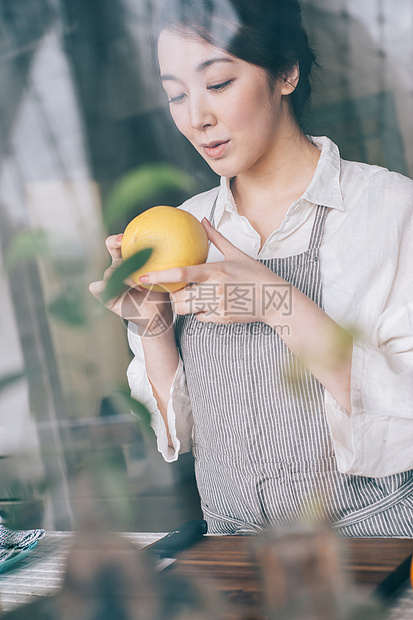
[
  {"x": 318, "y": 228},
  {"x": 384, "y": 504},
  {"x": 212, "y": 212}
]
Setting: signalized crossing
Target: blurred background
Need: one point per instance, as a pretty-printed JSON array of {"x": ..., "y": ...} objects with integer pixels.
[{"x": 80, "y": 107}]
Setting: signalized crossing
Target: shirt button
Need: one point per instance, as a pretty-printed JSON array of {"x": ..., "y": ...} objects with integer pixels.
[{"x": 272, "y": 246}]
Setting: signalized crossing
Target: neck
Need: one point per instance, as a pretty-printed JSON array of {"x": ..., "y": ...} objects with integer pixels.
[{"x": 282, "y": 177}]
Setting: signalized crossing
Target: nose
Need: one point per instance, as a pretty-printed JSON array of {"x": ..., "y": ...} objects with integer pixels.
[{"x": 201, "y": 114}]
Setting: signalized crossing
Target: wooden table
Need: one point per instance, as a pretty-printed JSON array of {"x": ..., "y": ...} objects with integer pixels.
[
  {"x": 227, "y": 564},
  {"x": 224, "y": 565}
]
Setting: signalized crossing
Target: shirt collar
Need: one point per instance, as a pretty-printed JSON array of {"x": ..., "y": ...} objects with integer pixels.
[{"x": 324, "y": 188}]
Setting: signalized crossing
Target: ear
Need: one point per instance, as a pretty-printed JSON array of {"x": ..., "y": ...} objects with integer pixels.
[{"x": 290, "y": 79}]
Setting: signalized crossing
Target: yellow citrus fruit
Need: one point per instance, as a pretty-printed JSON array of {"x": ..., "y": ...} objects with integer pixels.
[{"x": 176, "y": 237}]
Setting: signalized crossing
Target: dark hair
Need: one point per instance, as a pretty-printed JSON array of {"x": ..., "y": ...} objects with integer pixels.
[{"x": 266, "y": 33}]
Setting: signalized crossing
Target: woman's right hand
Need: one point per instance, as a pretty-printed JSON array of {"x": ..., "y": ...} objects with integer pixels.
[{"x": 149, "y": 310}]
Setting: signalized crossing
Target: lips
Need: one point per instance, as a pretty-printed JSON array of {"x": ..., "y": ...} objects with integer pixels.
[{"x": 215, "y": 149}]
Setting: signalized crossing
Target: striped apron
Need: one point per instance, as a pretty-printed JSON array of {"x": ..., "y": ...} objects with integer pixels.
[{"x": 262, "y": 448}]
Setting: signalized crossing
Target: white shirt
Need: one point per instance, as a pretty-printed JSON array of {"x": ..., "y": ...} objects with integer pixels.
[{"x": 366, "y": 262}]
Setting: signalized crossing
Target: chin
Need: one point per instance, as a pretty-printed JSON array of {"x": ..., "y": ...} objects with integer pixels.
[{"x": 223, "y": 168}]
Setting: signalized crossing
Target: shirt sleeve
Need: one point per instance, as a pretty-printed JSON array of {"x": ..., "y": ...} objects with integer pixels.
[
  {"x": 179, "y": 411},
  {"x": 376, "y": 439}
]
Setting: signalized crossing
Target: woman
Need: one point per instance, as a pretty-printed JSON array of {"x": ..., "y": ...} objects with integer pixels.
[{"x": 289, "y": 368}]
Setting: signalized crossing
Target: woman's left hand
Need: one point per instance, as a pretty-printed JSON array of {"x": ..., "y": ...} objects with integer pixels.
[{"x": 227, "y": 291}]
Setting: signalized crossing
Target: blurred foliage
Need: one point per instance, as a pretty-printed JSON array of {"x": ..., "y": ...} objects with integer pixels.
[
  {"x": 69, "y": 307},
  {"x": 27, "y": 245},
  {"x": 115, "y": 282},
  {"x": 8, "y": 380},
  {"x": 24, "y": 506},
  {"x": 128, "y": 194},
  {"x": 68, "y": 257},
  {"x": 123, "y": 399},
  {"x": 67, "y": 263},
  {"x": 133, "y": 189},
  {"x": 101, "y": 494}
]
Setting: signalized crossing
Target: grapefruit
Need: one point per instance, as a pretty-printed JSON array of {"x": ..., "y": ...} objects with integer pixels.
[{"x": 176, "y": 237}]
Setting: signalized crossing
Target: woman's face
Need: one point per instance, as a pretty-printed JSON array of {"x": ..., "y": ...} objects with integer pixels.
[{"x": 222, "y": 104}]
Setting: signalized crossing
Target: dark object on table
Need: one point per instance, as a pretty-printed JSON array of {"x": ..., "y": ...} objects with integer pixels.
[
  {"x": 390, "y": 586},
  {"x": 181, "y": 538}
]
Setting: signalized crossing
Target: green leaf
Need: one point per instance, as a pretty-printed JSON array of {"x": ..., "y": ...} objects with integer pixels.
[
  {"x": 27, "y": 245},
  {"x": 69, "y": 308},
  {"x": 135, "y": 407},
  {"x": 130, "y": 265},
  {"x": 5, "y": 382},
  {"x": 138, "y": 186}
]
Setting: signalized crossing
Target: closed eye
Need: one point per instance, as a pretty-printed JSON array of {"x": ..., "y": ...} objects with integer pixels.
[
  {"x": 177, "y": 99},
  {"x": 218, "y": 87}
]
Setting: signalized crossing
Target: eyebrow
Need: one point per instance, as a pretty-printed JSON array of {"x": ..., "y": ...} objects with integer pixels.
[{"x": 201, "y": 67}]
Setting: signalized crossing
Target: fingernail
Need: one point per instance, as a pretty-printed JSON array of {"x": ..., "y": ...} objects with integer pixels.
[
  {"x": 144, "y": 279},
  {"x": 119, "y": 237},
  {"x": 207, "y": 221}
]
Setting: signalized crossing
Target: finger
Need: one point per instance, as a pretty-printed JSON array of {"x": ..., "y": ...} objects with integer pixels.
[
  {"x": 132, "y": 284},
  {"x": 212, "y": 317},
  {"x": 224, "y": 245},
  {"x": 129, "y": 282},
  {"x": 184, "y": 293},
  {"x": 193, "y": 273},
  {"x": 188, "y": 300},
  {"x": 113, "y": 244},
  {"x": 116, "y": 305},
  {"x": 193, "y": 307},
  {"x": 201, "y": 317},
  {"x": 115, "y": 264},
  {"x": 97, "y": 288}
]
